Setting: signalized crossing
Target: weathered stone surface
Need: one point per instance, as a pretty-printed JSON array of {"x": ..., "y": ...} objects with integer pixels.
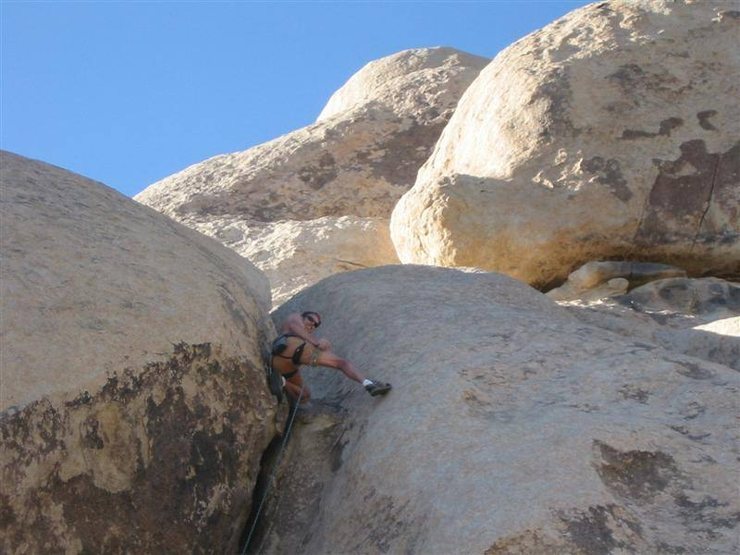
[
  {"x": 607, "y": 278},
  {"x": 357, "y": 160},
  {"x": 110, "y": 442},
  {"x": 160, "y": 459},
  {"x": 612, "y": 133},
  {"x": 296, "y": 254},
  {"x": 697, "y": 317},
  {"x": 717, "y": 341},
  {"x": 89, "y": 276},
  {"x": 710, "y": 298},
  {"x": 512, "y": 427},
  {"x": 422, "y": 83}
]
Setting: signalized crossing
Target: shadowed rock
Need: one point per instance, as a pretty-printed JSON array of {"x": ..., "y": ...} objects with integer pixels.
[
  {"x": 698, "y": 317},
  {"x": 600, "y": 279}
]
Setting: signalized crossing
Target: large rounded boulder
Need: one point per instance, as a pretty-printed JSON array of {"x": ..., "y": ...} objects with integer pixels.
[
  {"x": 353, "y": 164},
  {"x": 611, "y": 133},
  {"x": 134, "y": 404},
  {"x": 512, "y": 427}
]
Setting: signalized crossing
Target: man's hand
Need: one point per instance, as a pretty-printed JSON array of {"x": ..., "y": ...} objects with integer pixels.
[{"x": 324, "y": 345}]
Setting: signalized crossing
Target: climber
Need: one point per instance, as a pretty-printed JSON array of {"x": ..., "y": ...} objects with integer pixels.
[{"x": 297, "y": 346}]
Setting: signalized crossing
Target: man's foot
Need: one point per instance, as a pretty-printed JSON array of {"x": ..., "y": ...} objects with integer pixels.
[{"x": 377, "y": 388}]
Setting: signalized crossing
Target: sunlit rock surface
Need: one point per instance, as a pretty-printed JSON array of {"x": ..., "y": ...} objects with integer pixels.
[
  {"x": 611, "y": 133},
  {"x": 346, "y": 171},
  {"x": 134, "y": 404}
]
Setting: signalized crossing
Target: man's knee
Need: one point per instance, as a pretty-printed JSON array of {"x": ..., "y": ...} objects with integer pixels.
[
  {"x": 302, "y": 397},
  {"x": 345, "y": 365},
  {"x": 335, "y": 362},
  {"x": 295, "y": 392}
]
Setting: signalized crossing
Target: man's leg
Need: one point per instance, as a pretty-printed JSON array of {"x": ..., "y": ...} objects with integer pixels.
[
  {"x": 327, "y": 358},
  {"x": 293, "y": 389},
  {"x": 331, "y": 360}
]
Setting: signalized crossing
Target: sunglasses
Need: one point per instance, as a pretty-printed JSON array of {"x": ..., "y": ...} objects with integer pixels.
[{"x": 316, "y": 323}]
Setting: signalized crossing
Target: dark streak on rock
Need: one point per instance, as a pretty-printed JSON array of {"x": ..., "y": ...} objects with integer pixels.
[
  {"x": 7, "y": 515},
  {"x": 555, "y": 92},
  {"x": 233, "y": 307},
  {"x": 684, "y": 431},
  {"x": 666, "y": 126},
  {"x": 709, "y": 202},
  {"x": 636, "y": 81},
  {"x": 704, "y": 119},
  {"x": 90, "y": 437},
  {"x": 627, "y": 76},
  {"x": 677, "y": 208},
  {"x": 82, "y": 399},
  {"x": 664, "y": 547},
  {"x": 635, "y": 475},
  {"x": 336, "y": 453},
  {"x": 350, "y": 263},
  {"x": 693, "y": 371},
  {"x": 610, "y": 174},
  {"x": 704, "y": 516},
  {"x": 318, "y": 175},
  {"x": 590, "y": 531},
  {"x": 635, "y": 393},
  {"x": 403, "y": 155}
]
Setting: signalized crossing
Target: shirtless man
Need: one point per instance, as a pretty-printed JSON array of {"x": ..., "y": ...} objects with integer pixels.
[{"x": 297, "y": 346}]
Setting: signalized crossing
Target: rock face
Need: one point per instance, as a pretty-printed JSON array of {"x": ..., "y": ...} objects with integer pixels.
[
  {"x": 697, "y": 317},
  {"x": 512, "y": 427},
  {"x": 612, "y": 133},
  {"x": 112, "y": 441},
  {"x": 606, "y": 278},
  {"x": 294, "y": 255},
  {"x": 356, "y": 161}
]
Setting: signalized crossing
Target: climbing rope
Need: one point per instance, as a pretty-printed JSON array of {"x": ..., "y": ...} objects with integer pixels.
[{"x": 274, "y": 470}]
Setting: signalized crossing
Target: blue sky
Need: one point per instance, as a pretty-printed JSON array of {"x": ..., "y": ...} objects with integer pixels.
[{"x": 130, "y": 92}]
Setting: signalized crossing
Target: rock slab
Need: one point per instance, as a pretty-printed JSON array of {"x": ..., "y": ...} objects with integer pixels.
[
  {"x": 296, "y": 254},
  {"x": 512, "y": 428}
]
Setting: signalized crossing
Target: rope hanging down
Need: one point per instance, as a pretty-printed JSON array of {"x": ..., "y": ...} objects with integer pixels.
[{"x": 274, "y": 470}]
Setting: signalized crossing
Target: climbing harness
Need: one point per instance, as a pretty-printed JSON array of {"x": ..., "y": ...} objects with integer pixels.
[
  {"x": 274, "y": 470},
  {"x": 276, "y": 381},
  {"x": 281, "y": 343}
]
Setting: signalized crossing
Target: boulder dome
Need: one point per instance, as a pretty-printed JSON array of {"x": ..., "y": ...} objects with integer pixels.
[
  {"x": 512, "y": 427},
  {"x": 134, "y": 403},
  {"x": 611, "y": 133}
]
